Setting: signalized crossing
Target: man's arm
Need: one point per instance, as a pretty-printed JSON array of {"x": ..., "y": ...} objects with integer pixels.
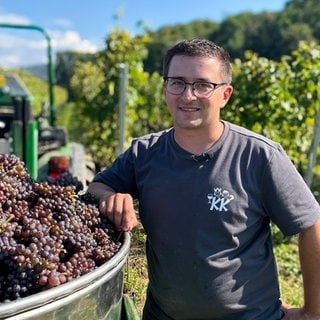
[
  {"x": 309, "y": 250},
  {"x": 118, "y": 207}
]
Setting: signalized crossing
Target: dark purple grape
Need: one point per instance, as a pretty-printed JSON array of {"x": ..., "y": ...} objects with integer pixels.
[{"x": 49, "y": 234}]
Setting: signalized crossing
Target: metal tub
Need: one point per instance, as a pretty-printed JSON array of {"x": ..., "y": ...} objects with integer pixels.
[{"x": 95, "y": 296}]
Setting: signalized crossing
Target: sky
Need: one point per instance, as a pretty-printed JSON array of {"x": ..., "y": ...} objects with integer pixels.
[{"x": 82, "y": 25}]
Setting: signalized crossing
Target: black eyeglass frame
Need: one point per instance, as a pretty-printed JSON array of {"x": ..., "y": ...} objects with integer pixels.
[{"x": 215, "y": 85}]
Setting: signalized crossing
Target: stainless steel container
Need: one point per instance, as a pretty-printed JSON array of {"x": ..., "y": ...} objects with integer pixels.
[{"x": 95, "y": 296}]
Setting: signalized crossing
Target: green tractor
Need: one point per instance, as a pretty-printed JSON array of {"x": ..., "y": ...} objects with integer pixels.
[{"x": 42, "y": 145}]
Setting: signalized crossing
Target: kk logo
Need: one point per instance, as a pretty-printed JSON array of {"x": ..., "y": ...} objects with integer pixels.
[{"x": 219, "y": 199}]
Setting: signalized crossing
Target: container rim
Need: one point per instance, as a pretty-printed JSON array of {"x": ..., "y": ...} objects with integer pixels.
[{"x": 45, "y": 297}]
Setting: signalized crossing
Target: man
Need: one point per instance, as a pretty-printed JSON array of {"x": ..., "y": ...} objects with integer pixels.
[{"x": 207, "y": 190}]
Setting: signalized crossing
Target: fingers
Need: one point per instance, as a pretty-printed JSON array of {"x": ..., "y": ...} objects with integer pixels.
[
  {"x": 119, "y": 209},
  {"x": 297, "y": 314},
  {"x": 129, "y": 217},
  {"x": 285, "y": 307}
]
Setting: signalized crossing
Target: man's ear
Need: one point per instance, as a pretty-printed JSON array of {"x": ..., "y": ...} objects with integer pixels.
[{"x": 226, "y": 95}]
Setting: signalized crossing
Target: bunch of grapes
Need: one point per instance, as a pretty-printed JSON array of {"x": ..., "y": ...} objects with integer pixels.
[
  {"x": 65, "y": 179},
  {"x": 49, "y": 234}
]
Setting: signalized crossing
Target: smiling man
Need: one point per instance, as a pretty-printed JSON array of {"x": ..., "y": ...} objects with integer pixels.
[{"x": 207, "y": 191}]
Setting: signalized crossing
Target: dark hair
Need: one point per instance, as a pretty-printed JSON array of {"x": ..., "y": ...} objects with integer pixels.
[{"x": 200, "y": 47}]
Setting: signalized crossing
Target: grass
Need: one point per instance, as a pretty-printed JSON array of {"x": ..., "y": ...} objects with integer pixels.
[
  {"x": 286, "y": 252},
  {"x": 290, "y": 277},
  {"x": 135, "y": 270}
]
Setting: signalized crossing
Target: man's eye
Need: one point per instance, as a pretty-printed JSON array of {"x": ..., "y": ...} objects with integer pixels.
[
  {"x": 177, "y": 83},
  {"x": 203, "y": 85}
]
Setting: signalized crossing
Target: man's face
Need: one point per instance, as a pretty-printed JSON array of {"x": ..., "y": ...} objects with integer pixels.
[{"x": 187, "y": 110}]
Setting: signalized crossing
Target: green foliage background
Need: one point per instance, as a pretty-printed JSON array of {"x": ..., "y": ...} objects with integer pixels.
[
  {"x": 276, "y": 80},
  {"x": 276, "y": 98},
  {"x": 279, "y": 99},
  {"x": 96, "y": 88}
]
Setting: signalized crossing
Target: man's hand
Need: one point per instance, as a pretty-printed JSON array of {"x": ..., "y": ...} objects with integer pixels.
[
  {"x": 119, "y": 208},
  {"x": 298, "y": 314},
  {"x": 292, "y": 313}
]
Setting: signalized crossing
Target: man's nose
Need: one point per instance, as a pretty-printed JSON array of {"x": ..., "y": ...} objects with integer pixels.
[{"x": 189, "y": 91}]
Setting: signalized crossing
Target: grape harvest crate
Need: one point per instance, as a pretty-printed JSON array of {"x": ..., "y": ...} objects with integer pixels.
[{"x": 97, "y": 295}]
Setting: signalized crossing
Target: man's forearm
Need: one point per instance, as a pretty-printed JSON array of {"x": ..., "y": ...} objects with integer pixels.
[
  {"x": 100, "y": 190},
  {"x": 309, "y": 248}
]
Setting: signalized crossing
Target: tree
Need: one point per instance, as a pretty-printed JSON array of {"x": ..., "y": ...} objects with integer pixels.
[
  {"x": 65, "y": 65},
  {"x": 279, "y": 99},
  {"x": 302, "y": 12},
  {"x": 96, "y": 86},
  {"x": 232, "y": 32},
  {"x": 263, "y": 35},
  {"x": 167, "y": 36}
]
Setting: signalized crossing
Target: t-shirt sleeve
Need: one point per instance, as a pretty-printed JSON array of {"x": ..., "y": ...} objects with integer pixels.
[
  {"x": 286, "y": 197},
  {"x": 120, "y": 175}
]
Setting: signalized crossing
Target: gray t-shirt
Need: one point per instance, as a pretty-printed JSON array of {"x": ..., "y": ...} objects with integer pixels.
[{"x": 207, "y": 220}]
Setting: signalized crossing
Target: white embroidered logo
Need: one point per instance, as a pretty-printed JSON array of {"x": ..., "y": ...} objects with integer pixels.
[{"x": 219, "y": 199}]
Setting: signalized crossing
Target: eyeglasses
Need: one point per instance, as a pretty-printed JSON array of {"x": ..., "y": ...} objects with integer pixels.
[{"x": 201, "y": 89}]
